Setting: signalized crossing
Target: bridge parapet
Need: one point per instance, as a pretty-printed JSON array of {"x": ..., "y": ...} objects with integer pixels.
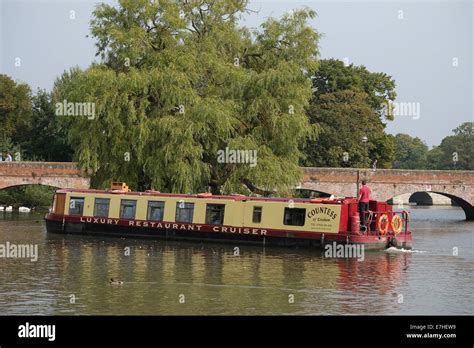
[
  {"x": 390, "y": 175},
  {"x": 342, "y": 182},
  {"x": 388, "y": 183},
  {"x": 57, "y": 174}
]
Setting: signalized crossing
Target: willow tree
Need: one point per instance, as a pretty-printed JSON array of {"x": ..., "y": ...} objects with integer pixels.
[{"x": 180, "y": 81}]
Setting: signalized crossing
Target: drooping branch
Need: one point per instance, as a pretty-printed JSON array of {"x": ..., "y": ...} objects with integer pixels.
[{"x": 255, "y": 189}]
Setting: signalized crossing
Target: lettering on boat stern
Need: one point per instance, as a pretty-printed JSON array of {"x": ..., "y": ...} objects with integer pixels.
[
  {"x": 324, "y": 218},
  {"x": 176, "y": 226}
]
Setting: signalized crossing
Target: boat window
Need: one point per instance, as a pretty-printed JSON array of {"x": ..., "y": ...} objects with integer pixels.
[
  {"x": 257, "y": 215},
  {"x": 294, "y": 216},
  {"x": 156, "y": 210},
  {"x": 76, "y": 206},
  {"x": 184, "y": 212},
  {"x": 101, "y": 207},
  {"x": 127, "y": 208},
  {"x": 215, "y": 214}
]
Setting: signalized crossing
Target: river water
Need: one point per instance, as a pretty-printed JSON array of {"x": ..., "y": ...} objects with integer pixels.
[{"x": 71, "y": 275}]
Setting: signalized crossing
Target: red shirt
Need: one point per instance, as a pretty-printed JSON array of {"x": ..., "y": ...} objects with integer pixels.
[{"x": 364, "y": 194}]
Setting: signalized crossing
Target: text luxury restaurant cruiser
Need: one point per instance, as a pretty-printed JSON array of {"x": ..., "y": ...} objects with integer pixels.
[{"x": 206, "y": 217}]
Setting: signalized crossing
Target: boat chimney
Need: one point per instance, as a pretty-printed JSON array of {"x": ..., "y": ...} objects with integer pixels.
[{"x": 119, "y": 186}]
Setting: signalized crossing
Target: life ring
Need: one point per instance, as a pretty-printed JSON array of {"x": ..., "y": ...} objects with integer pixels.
[
  {"x": 396, "y": 224},
  {"x": 382, "y": 224}
]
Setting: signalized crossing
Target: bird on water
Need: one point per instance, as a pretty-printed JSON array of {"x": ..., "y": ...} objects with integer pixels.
[{"x": 115, "y": 282}]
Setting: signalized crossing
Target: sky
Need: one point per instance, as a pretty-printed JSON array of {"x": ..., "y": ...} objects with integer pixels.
[{"x": 426, "y": 46}]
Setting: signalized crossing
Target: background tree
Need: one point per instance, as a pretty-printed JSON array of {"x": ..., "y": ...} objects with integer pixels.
[
  {"x": 15, "y": 111},
  {"x": 49, "y": 140},
  {"x": 181, "y": 81},
  {"x": 410, "y": 153},
  {"x": 29, "y": 129},
  {"x": 434, "y": 157},
  {"x": 348, "y": 103},
  {"x": 455, "y": 151},
  {"x": 7, "y": 146}
]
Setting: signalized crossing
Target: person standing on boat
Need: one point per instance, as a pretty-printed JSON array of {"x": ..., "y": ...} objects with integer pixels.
[{"x": 364, "y": 197}]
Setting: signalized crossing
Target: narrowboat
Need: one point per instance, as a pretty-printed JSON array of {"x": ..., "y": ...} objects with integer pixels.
[{"x": 227, "y": 218}]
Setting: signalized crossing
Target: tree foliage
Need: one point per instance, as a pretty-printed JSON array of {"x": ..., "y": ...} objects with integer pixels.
[
  {"x": 348, "y": 104},
  {"x": 455, "y": 151},
  {"x": 15, "y": 110},
  {"x": 410, "y": 153},
  {"x": 179, "y": 82},
  {"x": 49, "y": 132}
]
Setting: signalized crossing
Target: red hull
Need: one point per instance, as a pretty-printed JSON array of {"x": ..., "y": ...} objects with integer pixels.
[{"x": 142, "y": 228}]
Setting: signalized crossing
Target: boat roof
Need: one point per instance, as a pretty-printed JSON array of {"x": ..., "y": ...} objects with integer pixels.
[{"x": 233, "y": 197}]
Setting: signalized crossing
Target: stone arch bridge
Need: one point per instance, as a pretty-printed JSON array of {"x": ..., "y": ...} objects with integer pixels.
[
  {"x": 342, "y": 182},
  {"x": 56, "y": 174},
  {"x": 388, "y": 183}
]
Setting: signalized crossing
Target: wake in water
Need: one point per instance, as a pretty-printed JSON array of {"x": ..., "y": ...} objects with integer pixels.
[{"x": 394, "y": 250}]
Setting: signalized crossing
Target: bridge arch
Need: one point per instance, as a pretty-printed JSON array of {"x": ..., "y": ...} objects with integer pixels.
[
  {"x": 310, "y": 193},
  {"x": 421, "y": 198},
  {"x": 26, "y": 195},
  {"x": 466, "y": 206},
  {"x": 388, "y": 183},
  {"x": 28, "y": 184}
]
